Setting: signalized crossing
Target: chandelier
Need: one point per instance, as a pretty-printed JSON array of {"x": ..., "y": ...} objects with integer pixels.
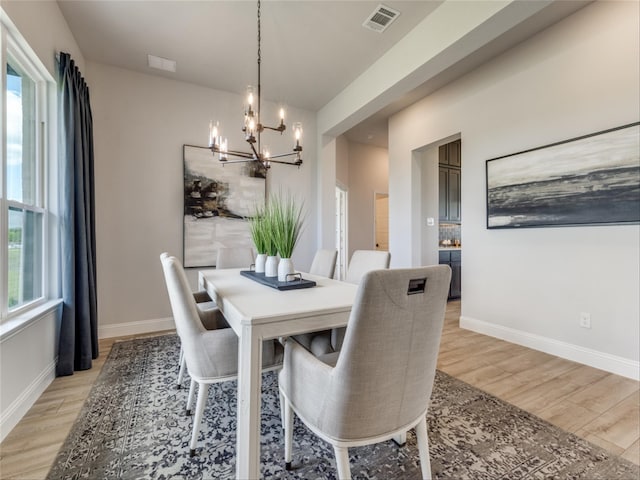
[{"x": 252, "y": 129}]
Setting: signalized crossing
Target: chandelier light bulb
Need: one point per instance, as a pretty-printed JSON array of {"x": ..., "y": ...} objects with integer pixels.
[
  {"x": 213, "y": 133},
  {"x": 282, "y": 115},
  {"x": 223, "y": 150},
  {"x": 297, "y": 131},
  {"x": 250, "y": 96}
]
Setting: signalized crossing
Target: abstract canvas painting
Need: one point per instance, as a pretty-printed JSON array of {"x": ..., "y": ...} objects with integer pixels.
[
  {"x": 218, "y": 199},
  {"x": 594, "y": 179}
]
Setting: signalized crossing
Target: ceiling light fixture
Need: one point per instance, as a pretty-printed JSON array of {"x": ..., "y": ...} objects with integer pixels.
[{"x": 252, "y": 130}]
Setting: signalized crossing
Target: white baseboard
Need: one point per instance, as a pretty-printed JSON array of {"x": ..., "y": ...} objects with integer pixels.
[
  {"x": 593, "y": 358},
  {"x": 136, "y": 328},
  {"x": 21, "y": 405}
]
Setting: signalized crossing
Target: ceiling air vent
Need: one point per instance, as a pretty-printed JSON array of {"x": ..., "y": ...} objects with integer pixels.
[
  {"x": 381, "y": 18},
  {"x": 161, "y": 63}
]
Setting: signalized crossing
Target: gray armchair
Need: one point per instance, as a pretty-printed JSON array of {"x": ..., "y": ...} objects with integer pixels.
[
  {"x": 211, "y": 356},
  {"x": 379, "y": 385}
]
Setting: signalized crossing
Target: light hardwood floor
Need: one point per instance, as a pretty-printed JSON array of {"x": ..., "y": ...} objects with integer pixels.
[{"x": 598, "y": 406}]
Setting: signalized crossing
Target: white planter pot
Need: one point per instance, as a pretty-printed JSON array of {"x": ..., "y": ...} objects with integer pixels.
[
  {"x": 285, "y": 267},
  {"x": 271, "y": 267},
  {"x": 261, "y": 259}
]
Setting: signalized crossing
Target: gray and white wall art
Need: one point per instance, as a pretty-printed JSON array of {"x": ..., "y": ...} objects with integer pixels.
[
  {"x": 593, "y": 179},
  {"x": 218, "y": 199}
]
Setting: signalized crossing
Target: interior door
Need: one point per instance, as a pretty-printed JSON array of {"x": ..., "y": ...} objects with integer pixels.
[{"x": 382, "y": 222}]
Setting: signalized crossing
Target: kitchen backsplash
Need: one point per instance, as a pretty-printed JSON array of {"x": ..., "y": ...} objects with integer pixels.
[{"x": 449, "y": 231}]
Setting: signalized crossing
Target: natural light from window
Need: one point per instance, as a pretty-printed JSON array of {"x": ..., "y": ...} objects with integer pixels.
[{"x": 25, "y": 217}]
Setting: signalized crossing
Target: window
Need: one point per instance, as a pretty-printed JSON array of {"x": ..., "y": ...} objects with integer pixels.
[{"x": 23, "y": 212}]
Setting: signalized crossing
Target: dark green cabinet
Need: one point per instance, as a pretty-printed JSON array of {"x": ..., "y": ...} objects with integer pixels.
[
  {"x": 453, "y": 258},
  {"x": 449, "y": 182}
]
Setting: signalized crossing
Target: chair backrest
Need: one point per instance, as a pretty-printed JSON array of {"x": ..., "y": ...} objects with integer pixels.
[
  {"x": 387, "y": 364},
  {"x": 363, "y": 261},
  {"x": 324, "y": 263},
  {"x": 234, "y": 257},
  {"x": 185, "y": 313},
  {"x": 183, "y": 305}
]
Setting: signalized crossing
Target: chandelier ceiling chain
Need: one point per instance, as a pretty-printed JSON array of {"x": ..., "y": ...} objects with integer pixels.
[{"x": 253, "y": 129}]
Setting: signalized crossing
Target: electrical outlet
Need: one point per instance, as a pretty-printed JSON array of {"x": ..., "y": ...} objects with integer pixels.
[{"x": 585, "y": 320}]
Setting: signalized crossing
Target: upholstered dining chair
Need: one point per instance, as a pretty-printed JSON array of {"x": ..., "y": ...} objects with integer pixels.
[
  {"x": 379, "y": 385},
  {"x": 227, "y": 257},
  {"x": 324, "y": 263},
  {"x": 234, "y": 257},
  {"x": 362, "y": 261},
  {"x": 210, "y": 316},
  {"x": 211, "y": 355}
]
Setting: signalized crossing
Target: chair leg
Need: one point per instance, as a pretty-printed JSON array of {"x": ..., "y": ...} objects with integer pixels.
[
  {"x": 400, "y": 439},
  {"x": 342, "y": 462},
  {"x": 203, "y": 392},
  {"x": 192, "y": 391},
  {"x": 282, "y": 409},
  {"x": 423, "y": 448},
  {"x": 183, "y": 366},
  {"x": 288, "y": 432}
]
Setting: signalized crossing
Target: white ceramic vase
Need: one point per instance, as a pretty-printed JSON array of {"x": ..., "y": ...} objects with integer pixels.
[
  {"x": 261, "y": 259},
  {"x": 285, "y": 267},
  {"x": 271, "y": 266}
]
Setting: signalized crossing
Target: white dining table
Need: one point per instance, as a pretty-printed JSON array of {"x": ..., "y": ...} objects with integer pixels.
[{"x": 257, "y": 312}]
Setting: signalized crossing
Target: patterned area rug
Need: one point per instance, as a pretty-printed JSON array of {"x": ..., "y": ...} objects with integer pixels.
[{"x": 133, "y": 426}]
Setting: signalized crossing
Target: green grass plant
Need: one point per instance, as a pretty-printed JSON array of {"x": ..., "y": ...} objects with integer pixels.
[
  {"x": 286, "y": 221},
  {"x": 259, "y": 231}
]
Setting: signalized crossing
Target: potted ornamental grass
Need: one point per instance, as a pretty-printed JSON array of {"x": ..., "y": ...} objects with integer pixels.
[
  {"x": 271, "y": 263},
  {"x": 286, "y": 221},
  {"x": 261, "y": 238}
]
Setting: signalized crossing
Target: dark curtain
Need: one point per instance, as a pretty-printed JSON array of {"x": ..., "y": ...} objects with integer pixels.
[{"x": 78, "y": 343}]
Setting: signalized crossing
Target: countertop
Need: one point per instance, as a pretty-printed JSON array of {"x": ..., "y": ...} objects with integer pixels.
[{"x": 449, "y": 248}]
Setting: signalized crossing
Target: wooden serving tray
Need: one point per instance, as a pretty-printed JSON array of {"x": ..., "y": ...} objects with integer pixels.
[{"x": 296, "y": 283}]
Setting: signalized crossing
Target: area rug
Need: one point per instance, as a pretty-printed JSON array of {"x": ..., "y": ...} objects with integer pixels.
[{"x": 133, "y": 426}]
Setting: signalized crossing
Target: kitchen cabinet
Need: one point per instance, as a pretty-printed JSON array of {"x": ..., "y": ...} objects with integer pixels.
[
  {"x": 449, "y": 182},
  {"x": 450, "y": 154},
  {"x": 453, "y": 258}
]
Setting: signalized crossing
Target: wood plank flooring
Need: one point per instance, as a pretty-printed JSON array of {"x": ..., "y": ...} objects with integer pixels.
[{"x": 601, "y": 407}]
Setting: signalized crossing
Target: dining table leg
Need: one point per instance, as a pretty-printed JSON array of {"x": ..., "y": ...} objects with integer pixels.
[{"x": 249, "y": 397}]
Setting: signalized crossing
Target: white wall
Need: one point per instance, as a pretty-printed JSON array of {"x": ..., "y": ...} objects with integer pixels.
[
  {"x": 530, "y": 285},
  {"x": 140, "y": 125},
  {"x": 41, "y": 23},
  {"x": 368, "y": 174},
  {"x": 429, "y": 206}
]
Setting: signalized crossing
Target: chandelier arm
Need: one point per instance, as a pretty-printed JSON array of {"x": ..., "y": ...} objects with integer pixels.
[
  {"x": 280, "y": 128},
  {"x": 235, "y": 153},
  {"x": 232, "y": 162},
  {"x": 284, "y": 163},
  {"x": 256, "y": 155},
  {"x": 283, "y": 155}
]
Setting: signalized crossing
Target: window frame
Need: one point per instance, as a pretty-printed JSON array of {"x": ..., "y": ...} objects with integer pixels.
[{"x": 14, "y": 49}]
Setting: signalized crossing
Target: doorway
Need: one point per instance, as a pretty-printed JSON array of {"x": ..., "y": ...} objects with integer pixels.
[{"x": 381, "y": 220}]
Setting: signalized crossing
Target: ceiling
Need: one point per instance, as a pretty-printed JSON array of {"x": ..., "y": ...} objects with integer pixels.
[{"x": 311, "y": 50}]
